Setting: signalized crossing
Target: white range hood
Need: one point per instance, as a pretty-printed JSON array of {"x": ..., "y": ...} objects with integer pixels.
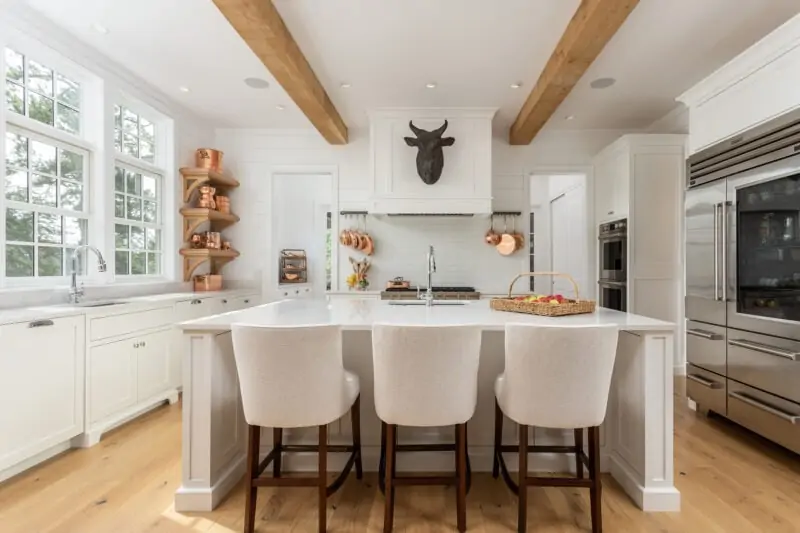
[{"x": 465, "y": 187}]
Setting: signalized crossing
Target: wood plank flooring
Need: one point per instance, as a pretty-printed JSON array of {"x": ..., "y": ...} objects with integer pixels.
[{"x": 731, "y": 481}]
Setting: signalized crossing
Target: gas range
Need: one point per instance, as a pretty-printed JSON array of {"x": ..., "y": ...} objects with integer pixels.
[{"x": 440, "y": 293}]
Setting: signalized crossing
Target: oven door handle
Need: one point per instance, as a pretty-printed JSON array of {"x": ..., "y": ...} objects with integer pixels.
[
  {"x": 783, "y": 415},
  {"x": 765, "y": 348}
]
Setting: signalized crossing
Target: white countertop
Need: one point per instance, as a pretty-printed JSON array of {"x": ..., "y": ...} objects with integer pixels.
[
  {"x": 132, "y": 303},
  {"x": 361, "y": 314}
]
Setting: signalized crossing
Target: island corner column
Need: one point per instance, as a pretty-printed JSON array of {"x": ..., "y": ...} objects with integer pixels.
[
  {"x": 640, "y": 421},
  {"x": 214, "y": 429}
]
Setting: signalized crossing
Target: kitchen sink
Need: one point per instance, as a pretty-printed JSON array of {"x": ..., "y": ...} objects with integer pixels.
[{"x": 422, "y": 302}]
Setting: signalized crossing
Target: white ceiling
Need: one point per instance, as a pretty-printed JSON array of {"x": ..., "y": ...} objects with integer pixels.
[{"x": 389, "y": 49}]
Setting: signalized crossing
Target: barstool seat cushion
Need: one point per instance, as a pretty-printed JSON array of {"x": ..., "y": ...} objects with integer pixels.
[{"x": 557, "y": 376}]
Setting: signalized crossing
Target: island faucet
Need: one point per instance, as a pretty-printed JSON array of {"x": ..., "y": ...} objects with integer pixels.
[
  {"x": 75, "y": 293},
  {"x": 428, "y": 297}
]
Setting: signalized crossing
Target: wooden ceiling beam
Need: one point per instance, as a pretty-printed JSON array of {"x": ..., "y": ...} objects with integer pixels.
[
  {"x": 263, "y": 29},
  {"x": 594, "y": 24}
]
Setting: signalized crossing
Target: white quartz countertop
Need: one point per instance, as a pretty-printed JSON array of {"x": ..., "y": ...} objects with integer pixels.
[
  {"x": 124, "y": 305},
  {"x": 361, "y": 314}
]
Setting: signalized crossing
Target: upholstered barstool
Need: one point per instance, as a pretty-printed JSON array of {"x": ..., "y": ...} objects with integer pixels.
[
  {"x": 293, "y": 377},
  {"x": 425, "y": 376},
  {"x": 555, "y": 377}
]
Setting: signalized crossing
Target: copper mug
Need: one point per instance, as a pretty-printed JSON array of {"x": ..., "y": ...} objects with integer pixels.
[
  {"x": 226, "y": 245},
  {"x": 213, "y": 240},
  {"x": 207, "y": 197},
  {"x": 198, "y": 241},
  {"x": 223, "y": 204}
]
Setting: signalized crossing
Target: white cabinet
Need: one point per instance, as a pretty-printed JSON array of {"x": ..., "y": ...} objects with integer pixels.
[
  {"x": 41, "y": 387},
  {"x": 112, "y": 379},
  {"x": 294, "y": 292},
  {"x": 197, "y": 308},
  {"x": 153, "y": 364},
  {"x": 612, "y": 183}
]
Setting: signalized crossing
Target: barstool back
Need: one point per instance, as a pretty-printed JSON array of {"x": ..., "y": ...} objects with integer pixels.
[
  {"x": 291, "y": 376},
  {"x": 426, "y": 375},
  {"x": 557, "y": 376}
]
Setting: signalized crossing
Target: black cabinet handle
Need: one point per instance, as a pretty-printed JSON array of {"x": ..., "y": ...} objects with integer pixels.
[
  {"x": 224, "y": 301},
  {"x": 195, "y": 302},
  {"x": 247, "y": 301},
  {"x": 40, "y": 323}
]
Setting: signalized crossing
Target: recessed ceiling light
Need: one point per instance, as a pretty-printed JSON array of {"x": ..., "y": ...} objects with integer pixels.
[
  {"x": 280, "y": 107},
  {"x": 569, "y": 117},
  {"x": 256, "y": 83},
  {"x": 345, "y": 85},
  {"x": 430, "y": 85},
  {"x": 184, "y": 89},
  {"x": 602, "y": 83},
  {"x": 99, "y": 28},
  {"x": 516, "y": 85}
]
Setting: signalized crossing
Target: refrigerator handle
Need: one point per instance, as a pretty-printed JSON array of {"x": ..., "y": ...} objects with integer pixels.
[
  {"x": 717, "y": 209},
  {"x": 725, "y": 251}
]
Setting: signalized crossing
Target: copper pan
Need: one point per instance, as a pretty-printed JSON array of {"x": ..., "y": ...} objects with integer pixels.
[
  {"x": 507, "y": 244},
  {"x": 518, "y": 238},
  {"x": 492, "y": 238}
]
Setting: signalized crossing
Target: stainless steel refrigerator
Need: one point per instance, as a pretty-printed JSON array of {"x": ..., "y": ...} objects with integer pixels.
[{"x": 743, "y": 279}]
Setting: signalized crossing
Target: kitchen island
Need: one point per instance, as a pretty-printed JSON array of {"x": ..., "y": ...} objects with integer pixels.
[{"x": 636, "y": 439}]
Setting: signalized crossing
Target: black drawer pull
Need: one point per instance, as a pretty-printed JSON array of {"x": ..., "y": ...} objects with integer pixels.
[
  {"x": 765, "y": 348},
  {"x": 247, "y": 301},
  {"x": 40, "y": 323},
  {"x": 195, "y": 302},
  {"x": 711, "y": 384},
  {"x": 780, "y": 413},
  {"x": 224, "y": 301},
  {"x": 703, "y": 334}
]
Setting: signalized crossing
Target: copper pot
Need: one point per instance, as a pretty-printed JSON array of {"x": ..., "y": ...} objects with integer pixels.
[
  {"x": 213, "y": 240},
  {"x": 208, "y": 158},
  {"x": 206, "y": 200},
  {"x": 491, "y": 237},
  {"x": 223, "y": 204}
]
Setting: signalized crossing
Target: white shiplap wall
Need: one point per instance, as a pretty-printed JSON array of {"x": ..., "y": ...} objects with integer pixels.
[{"x": 251, "y": 155}]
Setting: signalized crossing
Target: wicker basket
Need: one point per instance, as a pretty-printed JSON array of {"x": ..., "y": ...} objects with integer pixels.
[{"x": 567, "y": 307}]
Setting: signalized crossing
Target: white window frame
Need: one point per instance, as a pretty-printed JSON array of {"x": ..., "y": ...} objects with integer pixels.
[
  {"x": 158, "y": 225},
  {"x": 85, "y": 213}
]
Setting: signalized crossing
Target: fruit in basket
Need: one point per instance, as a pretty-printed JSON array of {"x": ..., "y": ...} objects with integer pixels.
[{"x": 554, "y": 302}]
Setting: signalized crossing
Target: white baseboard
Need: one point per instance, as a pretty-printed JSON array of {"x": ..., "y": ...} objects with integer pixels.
[
  {"x": 30, "y": 462},
  {"x": 649, "y": 499},
  {"x": 204, "y": 499},
  {"x": 679, "y": 370}
]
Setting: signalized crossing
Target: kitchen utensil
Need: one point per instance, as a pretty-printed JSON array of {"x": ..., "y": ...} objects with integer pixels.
[
  {"x": 398, "y": 283},
  {"x": 208, "y": 158},
  {"x": 566, "y": 307},
  {"x": 492, "y": 237},
  {"x": 518, "y": 238},
  {"x": 226, "y": 245},
  {"x": 207, "y": 197},
  {"x": 208, "y": 282},
  {"x": 223, "y": 204},
  {"x": 507, "y": 244},
  {"x": 213, "y": 240},
  {"x": 198, "y": 241}
]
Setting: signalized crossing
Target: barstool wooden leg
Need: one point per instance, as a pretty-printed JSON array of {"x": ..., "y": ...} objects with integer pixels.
[
  {"x": 594, "y": 472},
  {"x": 251, "y": 496},
  {"x": 498, "y": 439},
  {"x": 522, "y": 518},
  {"x": 578, "y": 447},
  {"x": 355, "y": 418},
  {"x": 389, "y": 445},
  {"x": 323, "y": 478},
  {"x": 461, "y": 472},
  {"x": 277, "y": 443}
]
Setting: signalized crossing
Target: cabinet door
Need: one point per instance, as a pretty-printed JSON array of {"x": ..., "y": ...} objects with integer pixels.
[
  {"x": 112, "y": 378},
  {"x": 621, "y": 178},
  {"x": 41, "y": 386},
  {"x": 603, "y": 191},
  {"x": 153, "y": 364},
  {"x": 192, "y": 309}
]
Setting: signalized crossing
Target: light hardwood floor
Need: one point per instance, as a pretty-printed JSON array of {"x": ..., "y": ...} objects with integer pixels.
[{"x": 731, "y": 482}]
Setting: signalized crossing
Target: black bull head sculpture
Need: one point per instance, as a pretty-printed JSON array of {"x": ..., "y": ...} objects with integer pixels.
[{"x": 430, "y": 159}]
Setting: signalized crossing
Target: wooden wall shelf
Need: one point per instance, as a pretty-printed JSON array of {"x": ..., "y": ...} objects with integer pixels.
[
  {"x": 193, "y": 217},
  {"x": 194, "y": 257},
  {"x": 195, "y": 177}
]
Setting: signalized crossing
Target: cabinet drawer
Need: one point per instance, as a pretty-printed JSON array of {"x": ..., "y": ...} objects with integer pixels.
[
  {"x": 772, "y": 417},
  {"x": 707, "y": 389},
  {"x": 768, "y": 363},
  {"x": 197, "y": 308},
  {"x": 112, "y": 326},
  {"x": 705, "y": 346}
]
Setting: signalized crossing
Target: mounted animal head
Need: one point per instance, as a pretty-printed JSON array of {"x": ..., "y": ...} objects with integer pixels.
[{"x": 430, "y": 159}]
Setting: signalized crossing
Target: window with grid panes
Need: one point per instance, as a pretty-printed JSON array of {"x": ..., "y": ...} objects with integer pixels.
[
  {"x": 46, "y": 213},
  {"x": 137, "y": 222},
  {"x": 37, "y": 91},
  {"x": 134, "y": 135}
]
